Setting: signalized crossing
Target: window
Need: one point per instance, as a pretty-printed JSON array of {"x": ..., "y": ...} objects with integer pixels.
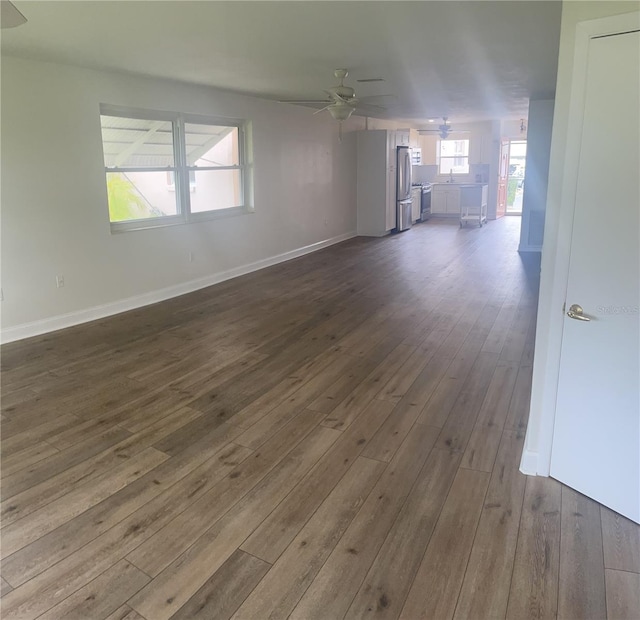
[
  {"x": 453, "y": 157},
  {"x": 154, "y": 162},
  {"x": 171, "y": 181}
]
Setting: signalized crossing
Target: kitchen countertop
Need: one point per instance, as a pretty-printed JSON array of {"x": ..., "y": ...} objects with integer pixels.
[{"x": 462, "y": 184}]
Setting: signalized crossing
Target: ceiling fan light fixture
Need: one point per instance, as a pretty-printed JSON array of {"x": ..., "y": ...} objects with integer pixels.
[{"x": 340, "y": 111}]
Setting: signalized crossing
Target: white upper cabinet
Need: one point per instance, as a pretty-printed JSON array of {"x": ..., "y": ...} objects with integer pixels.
[
  {"x": 414, "y": 139},
  {"x": 403, "y": 137},
  {"x": 428, "y": 143}
]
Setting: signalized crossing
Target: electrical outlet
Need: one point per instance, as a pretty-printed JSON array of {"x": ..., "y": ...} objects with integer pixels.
[{"x": 60, "y": 281}]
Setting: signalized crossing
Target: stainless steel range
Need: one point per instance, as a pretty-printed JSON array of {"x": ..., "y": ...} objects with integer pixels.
[{"x": 425, "y": 201}]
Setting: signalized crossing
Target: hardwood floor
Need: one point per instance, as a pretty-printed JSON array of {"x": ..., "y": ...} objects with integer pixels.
[{"x": 334, "y": 437}]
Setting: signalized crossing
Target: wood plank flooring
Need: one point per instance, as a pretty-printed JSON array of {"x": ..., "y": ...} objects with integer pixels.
[{"x": 334, "y": 437}]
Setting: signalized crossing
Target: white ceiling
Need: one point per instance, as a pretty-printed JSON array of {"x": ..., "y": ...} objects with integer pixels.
[{"x": 475, "y": 60}]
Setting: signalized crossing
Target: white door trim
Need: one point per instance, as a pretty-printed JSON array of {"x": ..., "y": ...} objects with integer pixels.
[{"x": 536, "y": 459}]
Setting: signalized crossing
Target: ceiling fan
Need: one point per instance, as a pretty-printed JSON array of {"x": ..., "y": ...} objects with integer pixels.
[
  {"x": 10, "y": 17},
  {"x": 341, "y": 100},
  {"x": 444, "y": 129}
]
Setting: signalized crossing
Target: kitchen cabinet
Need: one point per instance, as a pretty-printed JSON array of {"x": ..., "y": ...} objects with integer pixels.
[
  {"x": 445, "y": 199},
  {"x": 429, "y": 144},
  {"x": 416, "y": 197},
  {"x": 414, "y": 139},
  {"x": 376, "y": 182},
  {"x": 480, "y": 145},
  {"x": 403, "y": 137},
  {"x": 485, "y": 149}
]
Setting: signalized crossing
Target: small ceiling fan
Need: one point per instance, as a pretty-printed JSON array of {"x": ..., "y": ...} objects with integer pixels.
[
  {"x": 10, "y": 17},
  {"x": 341, "y": 100},
  {"x": 443, "y": 130}
]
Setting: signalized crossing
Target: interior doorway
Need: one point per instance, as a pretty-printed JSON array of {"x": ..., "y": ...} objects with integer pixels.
[{"x": 516, "y": 176}]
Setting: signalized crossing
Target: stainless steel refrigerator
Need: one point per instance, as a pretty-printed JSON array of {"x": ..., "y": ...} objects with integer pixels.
[{"x": 403, "y": 188}]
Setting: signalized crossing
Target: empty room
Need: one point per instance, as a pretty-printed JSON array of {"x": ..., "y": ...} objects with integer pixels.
[{"x": 320, "y": 310}]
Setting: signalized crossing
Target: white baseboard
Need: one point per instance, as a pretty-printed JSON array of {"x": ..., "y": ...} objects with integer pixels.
[
  {"x": 529, "y": 248},
  {"x": 529, "y": 463},
  {"x": 61, "y": 321}
]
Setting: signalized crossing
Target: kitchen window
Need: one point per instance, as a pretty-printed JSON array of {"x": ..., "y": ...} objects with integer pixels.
[
  {"x": 453, "y": 157},
  {"x": 154, "y": 161}
]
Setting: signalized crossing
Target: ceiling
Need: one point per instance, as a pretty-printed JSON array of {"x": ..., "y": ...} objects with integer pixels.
[{"x": 469, "y": 61}]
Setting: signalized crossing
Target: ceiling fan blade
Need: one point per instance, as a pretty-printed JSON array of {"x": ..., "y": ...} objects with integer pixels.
[
  {"x": 10, "y": 17},
  {"x": 304, "y": 101},
  {"x": 323, "y": 109},
  {"x": 371, "y": 106},
  {"x": 368, "y": 97}
]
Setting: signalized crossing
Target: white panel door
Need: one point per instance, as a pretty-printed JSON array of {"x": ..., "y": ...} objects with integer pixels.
[{"x": 596, "y": 440}]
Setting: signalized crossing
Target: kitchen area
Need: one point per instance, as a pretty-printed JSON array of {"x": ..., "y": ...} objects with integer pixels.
[{"x": 407, "y": 178}]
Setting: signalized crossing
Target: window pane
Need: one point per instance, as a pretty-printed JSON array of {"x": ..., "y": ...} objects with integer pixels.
[
  {"x": 211, "y": 145},
  {"x": 454, "y": 156},
  {"x": 136, "y": 143},
  {"x": 449, "y": 148},
  {"x": 457, "y": 165},
  {"x": 216, "y": 189},
  {"x": 140, "y": 195}
]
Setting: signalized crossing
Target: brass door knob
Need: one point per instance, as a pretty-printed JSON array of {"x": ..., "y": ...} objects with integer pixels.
[{"x": 576, "y": 312}]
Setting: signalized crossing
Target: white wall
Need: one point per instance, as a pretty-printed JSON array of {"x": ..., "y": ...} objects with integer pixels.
[
  {"x": 54, "y": 212},
  {"x": 537, "y": 451},
  {"x": 511, "y": 128},
  {"x": 534, "y": 200}
]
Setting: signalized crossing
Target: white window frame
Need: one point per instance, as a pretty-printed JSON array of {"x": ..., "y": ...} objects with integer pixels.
[
  {"x": 171, "y": 181},
  {"x": 181, "y": 169},
  {"x": 450, "y": 157}
]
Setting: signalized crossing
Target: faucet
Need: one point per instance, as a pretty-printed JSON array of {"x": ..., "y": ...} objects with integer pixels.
[{"x": 451, "y": 176}]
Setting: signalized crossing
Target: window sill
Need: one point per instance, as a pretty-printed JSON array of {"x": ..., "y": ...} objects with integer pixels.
[{"x": 179, "y": 220}]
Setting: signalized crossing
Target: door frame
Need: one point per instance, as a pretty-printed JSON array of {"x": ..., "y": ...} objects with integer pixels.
[
  {"x": 513, "y": 141},
  {"x": 536, "y": 457},
  {"x": 503, "y": 186}
]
